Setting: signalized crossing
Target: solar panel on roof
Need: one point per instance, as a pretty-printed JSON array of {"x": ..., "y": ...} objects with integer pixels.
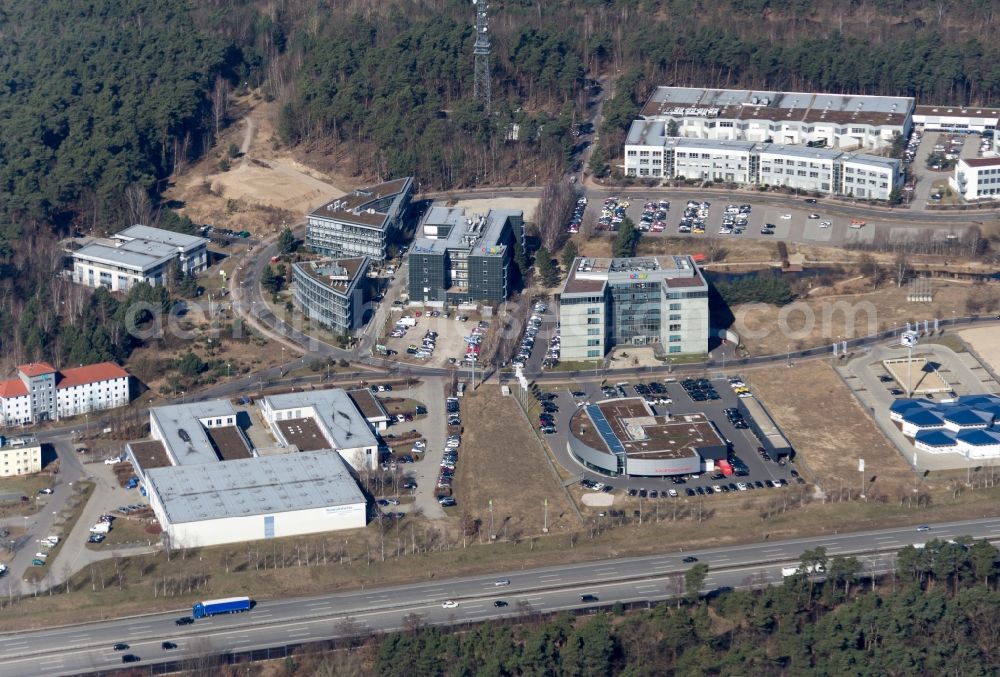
[{"x": 604, "y": 428}]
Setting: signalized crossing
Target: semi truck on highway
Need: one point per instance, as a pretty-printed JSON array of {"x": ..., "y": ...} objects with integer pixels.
[
  {"x": 212, "y": 607},
  {"x": 811, "y": 569}
]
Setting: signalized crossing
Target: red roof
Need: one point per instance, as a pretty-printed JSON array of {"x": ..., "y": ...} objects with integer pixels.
[
  {"x": 13, "y": 388},
  {"x": 36, "y": 369},
  {"x": 982, "y": 161},
  {"x": 92, "y": 373}
]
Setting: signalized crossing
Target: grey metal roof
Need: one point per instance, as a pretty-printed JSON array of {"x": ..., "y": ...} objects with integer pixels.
[
  {"x": 254, "y": 486},
  {"x": 710, "y": 144},
  {"x": 167, "y": 237},
  {"x": 180, "y": 421},
  {"x": 482, "y": 233},
  {"x": 338, "y": 414},
  {"x": 124, "y": 257},
  {"x": 872, "y": 160},
  {"x": 646, "y": 133}
]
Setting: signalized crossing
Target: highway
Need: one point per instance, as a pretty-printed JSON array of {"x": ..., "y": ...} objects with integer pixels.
[{"x": 88, "y": 647}]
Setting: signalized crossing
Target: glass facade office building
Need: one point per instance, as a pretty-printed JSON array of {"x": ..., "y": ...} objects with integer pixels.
[{"x": 633, "y": 301}]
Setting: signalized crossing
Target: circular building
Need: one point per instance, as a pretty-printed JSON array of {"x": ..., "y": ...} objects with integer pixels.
[{"x": 625, "y": 437}]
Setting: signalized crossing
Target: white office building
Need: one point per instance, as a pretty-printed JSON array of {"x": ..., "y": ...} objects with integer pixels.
[
  {"x": 138, "y": 254},
  {"x": 649, "y": 152},
  {"x": 633, "y": 301},
  {"x": 956, "y": 118},
  {"x": 42, "y": 393},
  {"x": 977, "y": 178},
  {"x": 843, "y": 121}
]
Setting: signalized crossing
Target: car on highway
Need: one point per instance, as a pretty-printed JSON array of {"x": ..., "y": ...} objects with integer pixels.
[
  {"x": 167, "y": 646},
  {"x": 825, "y": 224},
  {"x": 184, "y": 620},
  {"x": 499, "y": 604},
  {"x": 814, "y": 216},
  {"x": 588, "y": 598},
  {"x": 923, "y": 527},
  {"x": 120, "y": 646},
  {"x": 449, "y": 604},
  {"x": 501, "y": 582},
  {"x": 811, "y": 200},
  {"x": 130, "y": 658},
  {"x": 690, "y": 559}
]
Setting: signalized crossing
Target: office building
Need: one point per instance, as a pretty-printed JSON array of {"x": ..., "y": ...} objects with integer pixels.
[
  {"x": 361, "y": 223},
  {"x": 977, "y": 178},
  {"x": 20, "y": 455},
  {"x": 633, "y": 301},
  {"x": 138, "y": 254},
  {"x": 842, "y": 121},
  {"x": 42, "y": 393},
  {"x": 332, "y": 292},
  {"x": 462, "y": 258},
  {"x": 649, "y": 152}
]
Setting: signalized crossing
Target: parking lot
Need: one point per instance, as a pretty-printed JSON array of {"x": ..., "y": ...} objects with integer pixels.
[
  {"x": 713, "y": 216},
  {"x": 432, "y": 338},
  {"x": 539, "y": 347},
  {"x": 716, "y": 398}
]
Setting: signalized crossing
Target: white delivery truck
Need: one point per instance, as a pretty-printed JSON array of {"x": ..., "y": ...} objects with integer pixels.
[{"x": 811, "y": 569}]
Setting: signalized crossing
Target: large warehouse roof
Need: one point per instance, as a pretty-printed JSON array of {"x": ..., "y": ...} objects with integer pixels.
[{"x": 254, "y": 486}]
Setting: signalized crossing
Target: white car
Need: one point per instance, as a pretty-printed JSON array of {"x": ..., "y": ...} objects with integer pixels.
[
  {"x": 501, "y": 582},
  {"x": 112, "y": 460},
  {"x": 449, "y": 604},
  {"x": 786, "y": 217},
  {"x": 824, "y": 224},
  {"x": 672, "y": 493}
]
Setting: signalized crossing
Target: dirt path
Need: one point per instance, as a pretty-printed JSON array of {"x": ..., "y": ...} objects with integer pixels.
[{"x": 248, "y": 138}]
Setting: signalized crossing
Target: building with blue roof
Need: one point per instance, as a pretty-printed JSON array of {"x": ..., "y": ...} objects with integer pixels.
[{"x": 969, "y": 426}]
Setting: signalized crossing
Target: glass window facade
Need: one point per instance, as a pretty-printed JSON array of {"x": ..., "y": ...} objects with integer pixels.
[{"x": 635, "y": 309}]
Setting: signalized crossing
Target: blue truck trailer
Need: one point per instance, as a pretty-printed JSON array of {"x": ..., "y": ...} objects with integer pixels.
[{"x": 229, "y": 605}]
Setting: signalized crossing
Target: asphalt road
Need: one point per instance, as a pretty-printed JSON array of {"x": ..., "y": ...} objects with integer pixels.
[{"x": 88, "y": 647}]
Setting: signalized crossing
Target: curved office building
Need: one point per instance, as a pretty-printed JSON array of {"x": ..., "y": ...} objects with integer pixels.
[{"x": 625, "y": 437}]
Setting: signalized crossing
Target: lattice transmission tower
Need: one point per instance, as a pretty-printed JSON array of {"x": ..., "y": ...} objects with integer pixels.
[{"x": 481, "y": 52}]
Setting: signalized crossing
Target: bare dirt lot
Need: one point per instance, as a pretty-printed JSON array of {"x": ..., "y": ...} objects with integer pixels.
[
  {"x": 828, "y": 429},
  {"x": 984, "y": 340},
  {"x": 263, "y": 187},
  {"x": 502, "y": 460}
]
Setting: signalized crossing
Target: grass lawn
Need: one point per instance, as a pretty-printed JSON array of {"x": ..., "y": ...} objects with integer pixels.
[
  {"x": 125, "y": 531},
  {"x": 502, "y": 461},
  {"x": 26, "y": 485}
]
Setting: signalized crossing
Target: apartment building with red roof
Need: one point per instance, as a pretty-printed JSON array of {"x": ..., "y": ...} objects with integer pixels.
[{"x": 41, "y": 393}]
